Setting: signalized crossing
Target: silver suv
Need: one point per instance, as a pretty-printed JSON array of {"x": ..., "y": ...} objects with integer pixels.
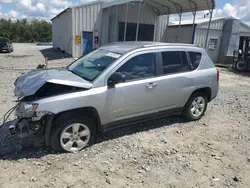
[{"x": 115, "y": 85}]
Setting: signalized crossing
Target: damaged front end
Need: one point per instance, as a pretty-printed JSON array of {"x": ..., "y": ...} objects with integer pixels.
[
  {"x": 35, "y": 86},
  {"x": 29, "y": 121}
]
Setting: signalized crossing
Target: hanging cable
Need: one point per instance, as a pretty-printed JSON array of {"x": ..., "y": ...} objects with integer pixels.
[{"x": 8, "y": 113}]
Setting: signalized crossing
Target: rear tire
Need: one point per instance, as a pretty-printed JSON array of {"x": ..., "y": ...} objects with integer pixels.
[
  {"x": 72, "y": 133},
  {"x": 241, "y": 66},
  {"x": 196, "y": 107}
]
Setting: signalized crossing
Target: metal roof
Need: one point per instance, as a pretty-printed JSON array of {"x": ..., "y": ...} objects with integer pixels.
[
  {"x": 198, "y": 21},
  {"x": 163, "y": 7},
  {"x": 166, "y": 7},
  {"x": 78, "y": 5},
  {"x": 205, "y": 20}
]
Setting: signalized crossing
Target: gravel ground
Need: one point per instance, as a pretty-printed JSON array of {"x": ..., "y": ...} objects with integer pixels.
[{"x": 212, "y": 152}]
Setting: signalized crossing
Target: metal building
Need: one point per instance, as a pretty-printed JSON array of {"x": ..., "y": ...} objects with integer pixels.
[
  {"x": 81, "y": 28},
  {"x": 226, "y": 35}
]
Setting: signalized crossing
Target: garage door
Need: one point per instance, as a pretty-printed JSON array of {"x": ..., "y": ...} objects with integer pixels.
[{"x": 146, "y": 32}]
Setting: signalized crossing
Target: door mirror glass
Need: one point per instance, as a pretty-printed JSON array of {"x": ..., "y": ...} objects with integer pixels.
[{"x": 116, "y": 78}]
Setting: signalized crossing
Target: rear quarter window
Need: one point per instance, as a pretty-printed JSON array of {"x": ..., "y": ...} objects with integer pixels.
[{"x": 195, "y": 58}]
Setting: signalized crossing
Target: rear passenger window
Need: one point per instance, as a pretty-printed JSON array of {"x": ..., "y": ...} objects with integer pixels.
[
  {"x": 195, "y": 59},
  {"x": 174, "y": 62},
  {"x": 171, "y": 62}
]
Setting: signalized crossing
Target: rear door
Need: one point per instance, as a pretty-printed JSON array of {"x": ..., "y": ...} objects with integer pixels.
[{"x": 176, "y": 80}]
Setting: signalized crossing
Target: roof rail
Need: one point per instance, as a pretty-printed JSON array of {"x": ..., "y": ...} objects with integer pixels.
[{"x": 167, "y": 44}]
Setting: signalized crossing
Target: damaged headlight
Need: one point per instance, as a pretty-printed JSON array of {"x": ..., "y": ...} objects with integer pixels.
[
  {"x": 30, "y": 107},
  {"x": 26, "y": 110}
]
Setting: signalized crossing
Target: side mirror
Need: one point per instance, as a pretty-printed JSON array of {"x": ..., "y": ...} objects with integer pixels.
[{"x": 116, "y": 78}]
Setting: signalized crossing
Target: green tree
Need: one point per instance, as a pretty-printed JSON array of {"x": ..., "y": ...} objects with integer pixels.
[{"x": 26, "y": 31}]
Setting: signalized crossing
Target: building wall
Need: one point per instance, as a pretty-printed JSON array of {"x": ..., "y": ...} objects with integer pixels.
[
  {"x": 148, "y": 15},
  {"x": 238, "y": 29},
  {"x": 91, "y": 17},
  {"x": 112, "y": 16},
  {"x": 214, "y": 38},
  {"x": 186, "y": 34},
  {"x": 199, "y": 38},
  {"x": 105, "y": 26},
  {"x": 244, "y": 28},
  {"x": 214, "y": 35},
  {"x": 62, "y": 32},
  {"x": 85, "y": 18},
  {"x": 160, "y": 29}
]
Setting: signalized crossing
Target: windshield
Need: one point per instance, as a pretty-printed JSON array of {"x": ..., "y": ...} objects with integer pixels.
[
  {"x": 91, "y": 65},
  {"x": 3, "y": 40}
]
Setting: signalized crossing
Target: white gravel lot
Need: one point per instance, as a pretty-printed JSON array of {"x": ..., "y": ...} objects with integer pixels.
[{"x": 212, "y": 152}]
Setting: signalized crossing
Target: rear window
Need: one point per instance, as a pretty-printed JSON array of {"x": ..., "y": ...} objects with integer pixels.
[
  {"x": 195, "y": 58},
  {"x": 171, "y": 62},
  {"x": 174, "y": 62}
]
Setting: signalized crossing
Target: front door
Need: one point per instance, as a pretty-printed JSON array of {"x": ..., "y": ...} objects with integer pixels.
[{"x": 137, "y": 96}]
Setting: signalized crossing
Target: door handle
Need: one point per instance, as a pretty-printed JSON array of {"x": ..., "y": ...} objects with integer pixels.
[{"x": 151, "y": 85}]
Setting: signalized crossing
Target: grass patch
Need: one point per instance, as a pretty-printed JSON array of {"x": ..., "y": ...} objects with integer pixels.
[{"x": 227, "y": 66}]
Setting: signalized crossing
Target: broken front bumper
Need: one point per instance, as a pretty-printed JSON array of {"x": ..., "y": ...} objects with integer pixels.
[{"x": 25, "y": 127}]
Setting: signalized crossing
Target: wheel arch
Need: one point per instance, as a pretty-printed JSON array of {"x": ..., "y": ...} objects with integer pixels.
[
  {"x": 206, "y": 90},
  {"x": 90, "y": 112}
]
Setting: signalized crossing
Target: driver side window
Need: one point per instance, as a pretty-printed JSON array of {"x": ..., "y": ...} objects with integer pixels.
[{"x": 139, "y": 67}]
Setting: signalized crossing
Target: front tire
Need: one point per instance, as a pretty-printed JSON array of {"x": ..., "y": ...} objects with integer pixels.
[
  {"x": 196, "y": 107},
  {"x": 72, "y": 133}
]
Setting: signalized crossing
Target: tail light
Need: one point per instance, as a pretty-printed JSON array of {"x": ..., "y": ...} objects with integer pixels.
[{"x": 218, "y": 75}]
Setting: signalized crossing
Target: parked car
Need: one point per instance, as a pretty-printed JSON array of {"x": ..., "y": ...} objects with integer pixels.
[
  {"x": 6, "y": 45},
  {"x": 113, "y": 86}
]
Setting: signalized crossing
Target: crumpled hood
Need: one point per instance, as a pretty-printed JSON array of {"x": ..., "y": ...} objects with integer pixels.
[{"x": 29, "y": 83}]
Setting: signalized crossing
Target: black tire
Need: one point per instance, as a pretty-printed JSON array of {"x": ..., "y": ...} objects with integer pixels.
[
  {"x": 65, "y": 120},
  {"x": 241, "y": 65},
  {"x": 187, "y": 114}
]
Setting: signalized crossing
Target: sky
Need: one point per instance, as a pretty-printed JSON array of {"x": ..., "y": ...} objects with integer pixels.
[{"x": 47, "y": 9}]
